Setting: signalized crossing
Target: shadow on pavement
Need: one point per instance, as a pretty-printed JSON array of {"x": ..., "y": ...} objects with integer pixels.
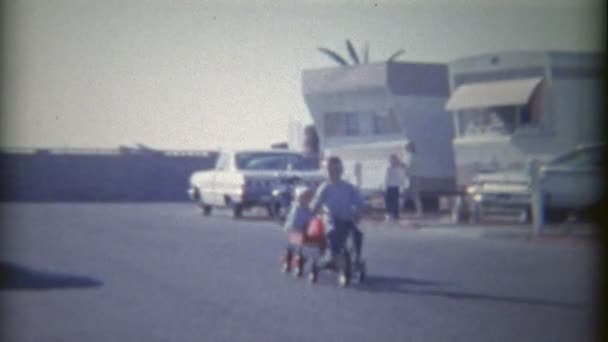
[
  {"x": 407, "y": 286},
  {"x": 390, "y": 282},
  {"x": 15, "y": 277}
]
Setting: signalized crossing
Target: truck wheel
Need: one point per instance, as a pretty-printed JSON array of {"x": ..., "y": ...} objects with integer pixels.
[
  {"x": 556, "y": 215},
  {"x": 237, "y": 211},
  {"x": 430, "y": 203},
  {"x": 270, "y": 209},
  {"x": 206, "y": 210},
  {"x": 196, "y": 195},
  {"x": 279, "y": 212},
  {"x": 201, "y": 202}
]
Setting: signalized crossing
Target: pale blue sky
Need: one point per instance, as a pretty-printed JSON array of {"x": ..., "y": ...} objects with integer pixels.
[{"x": 206, "y": 74}]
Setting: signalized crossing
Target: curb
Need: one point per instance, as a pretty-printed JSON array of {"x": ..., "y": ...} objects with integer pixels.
[{"x": 576, "y": 231}]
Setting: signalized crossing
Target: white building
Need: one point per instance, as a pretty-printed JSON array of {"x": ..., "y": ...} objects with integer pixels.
[{"x": 364, "y": 113}]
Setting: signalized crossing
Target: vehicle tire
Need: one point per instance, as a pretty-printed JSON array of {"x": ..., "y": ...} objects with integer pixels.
[
  {"x": 556, "y": 215},
  {"x": 237, "y": 211},
  {"x": 206, "y": 209},
  {"x": 277, "y": 211},
  {"x": 196, "y": 194},
  {"x": 430, "y": 202},
  {"x": 272, "y": 212}
]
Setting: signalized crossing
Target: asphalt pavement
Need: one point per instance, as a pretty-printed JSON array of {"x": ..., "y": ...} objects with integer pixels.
[
  {"x": 441, "y": 223},
  {"x": 163, "y": 272}
]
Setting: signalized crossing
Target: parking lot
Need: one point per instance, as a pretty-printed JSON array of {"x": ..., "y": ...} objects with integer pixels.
[{"x": 100, "y": 272}]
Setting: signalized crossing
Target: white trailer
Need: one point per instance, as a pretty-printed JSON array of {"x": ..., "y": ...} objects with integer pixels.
[
  {"x": 511, "y": 107},
  {"x": 366, "y": 112}
]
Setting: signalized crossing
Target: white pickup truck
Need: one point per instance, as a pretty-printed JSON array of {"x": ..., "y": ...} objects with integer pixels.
[{"x": 244, "y": 179}]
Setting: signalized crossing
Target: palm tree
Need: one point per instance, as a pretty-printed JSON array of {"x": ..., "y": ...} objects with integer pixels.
[
  {"x": 353, "y": 55},
  {"x": 334, "y": 56},
  {"x": 395, "y": 55}
]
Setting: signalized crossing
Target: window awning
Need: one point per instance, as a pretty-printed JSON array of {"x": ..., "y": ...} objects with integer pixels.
[{"x": 493, "y": 94}]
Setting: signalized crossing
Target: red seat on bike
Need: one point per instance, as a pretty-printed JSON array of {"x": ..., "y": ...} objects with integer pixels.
[{"x": 316, "y": 230}]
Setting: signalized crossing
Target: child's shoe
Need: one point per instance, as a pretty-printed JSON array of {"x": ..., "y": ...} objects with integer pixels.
[
  {"x": 298, "y": 264},
  {"x": 286, "y": 262}
]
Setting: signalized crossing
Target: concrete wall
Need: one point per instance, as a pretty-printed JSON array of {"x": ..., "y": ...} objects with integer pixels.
[{"x": 45, "y": 176}]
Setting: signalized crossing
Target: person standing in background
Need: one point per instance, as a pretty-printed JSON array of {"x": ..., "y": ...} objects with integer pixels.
[
  {"x": 394, "y": 180},
  {"x": 411, "y": 193}
]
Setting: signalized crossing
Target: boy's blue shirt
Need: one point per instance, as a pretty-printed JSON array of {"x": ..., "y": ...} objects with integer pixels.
[
  {"x": 342, "y": 199},
  {"x": 298, "y": 218}
]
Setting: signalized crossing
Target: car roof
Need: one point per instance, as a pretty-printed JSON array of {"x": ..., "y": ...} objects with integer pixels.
[
  {"x": 590, "y": 145},
  {"x": 268, "y": 150},
  {"x": 578, "y": 149}
]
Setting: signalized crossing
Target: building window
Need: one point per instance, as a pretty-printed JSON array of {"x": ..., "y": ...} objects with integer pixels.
[
  {"x": 385, "y": 123},
  {"x": 341, "y": 124},
  {"x": 504, "y": 120}
]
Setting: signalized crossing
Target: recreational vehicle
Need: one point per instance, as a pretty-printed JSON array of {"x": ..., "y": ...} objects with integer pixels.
[
  {"x": 511, "y": 107},
  {"x": 364, "y": 113}
]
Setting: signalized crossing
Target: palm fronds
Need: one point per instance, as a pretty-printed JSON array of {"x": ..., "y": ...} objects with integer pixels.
[
  {"x": 352, "y": 52},
  {"x": 366, "y": 53},
  {"x": 395, "y": 55},
  {"x": 334, "y": 56}
]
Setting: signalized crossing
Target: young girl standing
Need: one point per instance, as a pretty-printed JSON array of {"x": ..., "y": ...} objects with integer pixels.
[{"x": 394, "y": 180}]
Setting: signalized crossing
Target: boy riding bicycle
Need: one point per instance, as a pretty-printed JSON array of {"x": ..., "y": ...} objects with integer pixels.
[{"x": 344, "y": 203}]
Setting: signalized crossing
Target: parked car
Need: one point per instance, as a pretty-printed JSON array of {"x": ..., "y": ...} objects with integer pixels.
[
  {"x": 246, "y": 179},
  {"x": 570, "y": 182}
]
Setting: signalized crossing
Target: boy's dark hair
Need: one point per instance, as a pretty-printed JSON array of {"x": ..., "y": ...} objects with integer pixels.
[{"x": 334, "y": 159}]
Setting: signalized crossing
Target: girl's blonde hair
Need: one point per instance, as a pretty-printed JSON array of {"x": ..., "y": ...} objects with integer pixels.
[{"x": 300, "y": 191}]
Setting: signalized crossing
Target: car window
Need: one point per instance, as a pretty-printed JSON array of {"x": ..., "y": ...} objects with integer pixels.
[
  {"x": 585, "y": 157},
  {"x": 222, "y": 162},
  {"x": 297, "y": 162},
  {"x": 261, "y": 161},
  {"x": 274, "y": 161}
]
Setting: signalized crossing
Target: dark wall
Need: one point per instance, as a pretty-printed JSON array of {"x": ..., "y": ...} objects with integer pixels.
[{"x": 114, "y": 177}]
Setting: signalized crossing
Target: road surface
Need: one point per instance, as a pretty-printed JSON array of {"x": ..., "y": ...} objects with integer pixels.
[{"x": 162, "y": 272}]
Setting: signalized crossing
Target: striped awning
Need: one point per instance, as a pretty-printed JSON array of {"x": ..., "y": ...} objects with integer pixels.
[{"x": 493, "y": 94}]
